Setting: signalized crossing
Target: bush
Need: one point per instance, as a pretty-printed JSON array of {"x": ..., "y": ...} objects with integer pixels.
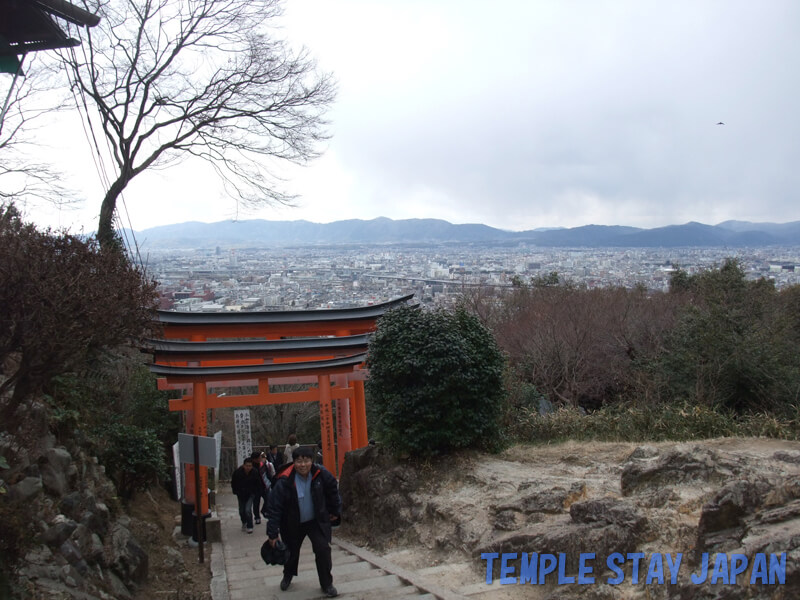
[
  {"x": 577, "y": 346},
  {"x": 133, "y": 457},
  {"x": 734, "y": 345},
  {"x": 67, "y": 311},
  {"x": 436, "y": 382},
  {"x": 62, "y": 300},
  {"x": 130, "y": 401}
]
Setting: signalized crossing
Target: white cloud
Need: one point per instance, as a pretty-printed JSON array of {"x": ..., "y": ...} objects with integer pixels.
[{"x": 540, "y": 113}]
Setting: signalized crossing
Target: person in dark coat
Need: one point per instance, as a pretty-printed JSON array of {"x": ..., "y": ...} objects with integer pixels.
[
  {"x": 260, "y": 466},
  {"x": 267, "y": 474},
  {"x": 305, "y": 502},
  {"x": 246, "y": 485},
  {"x": 275, "y": 457}
]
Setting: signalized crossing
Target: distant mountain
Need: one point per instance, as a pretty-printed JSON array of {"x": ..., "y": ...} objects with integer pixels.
[
  {"x": 587, "y": 235},
  {"x": 781, "y": 230},
  {"x": 262, "y": 233}
]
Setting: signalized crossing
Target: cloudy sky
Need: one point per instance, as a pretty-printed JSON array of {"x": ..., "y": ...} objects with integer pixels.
[{"x": 524, "y": 114}]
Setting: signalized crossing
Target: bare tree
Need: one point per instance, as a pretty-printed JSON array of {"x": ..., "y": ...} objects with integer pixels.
[
  {"x": 27, "y": 100},
  {"x": 207, "y": 78}
]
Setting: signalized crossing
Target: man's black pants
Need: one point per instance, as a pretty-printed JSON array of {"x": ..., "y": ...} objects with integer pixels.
[{"x": 322, "y": 552}]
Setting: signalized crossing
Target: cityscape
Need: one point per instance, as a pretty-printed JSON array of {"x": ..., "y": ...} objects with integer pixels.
[{"x": 310, "y": 277}]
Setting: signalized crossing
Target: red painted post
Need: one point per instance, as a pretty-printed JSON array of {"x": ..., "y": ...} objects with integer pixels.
[
  {"x": 343, "y": 431},
  {"x": 355, "y": 434},
  {"x": 326, "y": 423},
  {"x": 197, "y": 424},
  {"x": 361, "y": 415}
]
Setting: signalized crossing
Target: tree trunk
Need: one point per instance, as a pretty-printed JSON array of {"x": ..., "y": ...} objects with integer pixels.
[{"x": 105, "y": 226}]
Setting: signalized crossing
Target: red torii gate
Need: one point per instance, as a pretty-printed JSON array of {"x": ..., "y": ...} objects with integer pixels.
[{"x": 324, "y": 347}]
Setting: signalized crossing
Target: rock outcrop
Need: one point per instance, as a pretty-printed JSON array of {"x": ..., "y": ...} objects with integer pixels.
[
  {"x": 731, "y": 496},
  {"x": 63, "y": 513}
]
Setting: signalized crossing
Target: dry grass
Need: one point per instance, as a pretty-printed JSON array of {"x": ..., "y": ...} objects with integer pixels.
[{"x": 627, "y": 423}]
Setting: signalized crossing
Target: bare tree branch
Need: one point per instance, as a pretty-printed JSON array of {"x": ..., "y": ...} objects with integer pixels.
[
  {"x": 22, "y": 176},
  {"x": 204, "y": 78}
]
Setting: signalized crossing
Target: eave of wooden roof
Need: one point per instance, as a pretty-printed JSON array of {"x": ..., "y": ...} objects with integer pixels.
[
  {"x": 189, "y": 374},
  {"x": 29, "y": 25},
  {"x": 179, "y": 318}
]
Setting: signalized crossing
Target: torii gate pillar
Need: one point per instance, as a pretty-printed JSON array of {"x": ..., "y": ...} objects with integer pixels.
[
  {"x": 326, "y": 423},
  {"x": 197, "y": 424},
  {"x": 343, "y": 431}
]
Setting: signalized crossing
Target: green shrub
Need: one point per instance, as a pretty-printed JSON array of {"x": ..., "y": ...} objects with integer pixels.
[
  {"x": 436, "y": 382},
  {"x": 734, "y": 345},
  {"x": 118, "y": 390},
  {"x": 133, "y": 457}
]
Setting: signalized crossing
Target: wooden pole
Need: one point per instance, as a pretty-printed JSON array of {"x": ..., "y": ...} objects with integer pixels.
[{"x": 199, "y": 529}]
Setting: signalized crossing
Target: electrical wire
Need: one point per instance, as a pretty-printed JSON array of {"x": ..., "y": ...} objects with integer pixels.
[{"x": 132, "y": 247}]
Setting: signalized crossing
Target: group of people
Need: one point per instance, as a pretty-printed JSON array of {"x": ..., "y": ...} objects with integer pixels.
[
  {"x": 251, "y": 484},
  {"x": 300, "y": 499}
]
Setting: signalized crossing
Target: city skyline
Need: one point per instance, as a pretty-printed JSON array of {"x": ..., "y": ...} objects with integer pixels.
[
  {"x": 339, "y": 277},
  {"x": 519, "y": 116}
]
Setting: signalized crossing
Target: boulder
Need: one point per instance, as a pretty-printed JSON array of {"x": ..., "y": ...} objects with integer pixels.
[
  {"x": 566, "y": 537},
  {"x": 58, "y": 531},
  {"x": 54, "y": 480},
  {"x": 89, "y": 543},
  {"x": 600, "y": 591},
  {"x": 609, "y": 511},
  {"x": 678, "y": 466},
  {"x": 722, "y": 520},
  {"x": 73, "y": 556},
  {"x": 125, "y": 556},
  {"x": 789, "y": 457},
  {"x": 96, "y": 517},
  {"x": 59, "y": 458},
  {"x": 26, "y": 490},
  {"x": 554, "y": 500},
  {"x": 118, "y": 588},
  {"x": 39, "y": 555},
  {"x": 376, "y": 492},
  {"x": 71, "y": 505}
]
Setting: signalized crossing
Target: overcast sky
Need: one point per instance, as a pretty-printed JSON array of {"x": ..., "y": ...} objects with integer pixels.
[{"x": 527, "y": 113}]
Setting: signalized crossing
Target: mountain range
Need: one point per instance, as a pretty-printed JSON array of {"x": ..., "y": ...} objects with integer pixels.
[{"x": 262, "y": 233}]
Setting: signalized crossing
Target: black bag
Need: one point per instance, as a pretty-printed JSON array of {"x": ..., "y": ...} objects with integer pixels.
[{"x": 279, "y": 555}]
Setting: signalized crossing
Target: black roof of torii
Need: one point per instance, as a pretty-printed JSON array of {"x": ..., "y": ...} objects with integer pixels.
[
  {"x": 177, "y": 374},
  {"x": 196, "y": 350},
  {"x": 28, "y": 25},
  {"x": 172, "y": 317}
]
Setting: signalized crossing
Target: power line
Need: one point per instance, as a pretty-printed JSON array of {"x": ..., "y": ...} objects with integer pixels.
[{"x": 97, "y": 157}]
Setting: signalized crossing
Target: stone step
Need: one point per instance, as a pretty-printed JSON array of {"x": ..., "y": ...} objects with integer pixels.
[{"x": 357, "y": 573}]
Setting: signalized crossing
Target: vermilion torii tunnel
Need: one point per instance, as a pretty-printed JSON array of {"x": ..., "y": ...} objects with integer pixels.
[{"x": 325, "y": 348}]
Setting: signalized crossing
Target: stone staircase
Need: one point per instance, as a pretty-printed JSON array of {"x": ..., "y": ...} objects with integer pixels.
[{"x": 240, "y": 574}]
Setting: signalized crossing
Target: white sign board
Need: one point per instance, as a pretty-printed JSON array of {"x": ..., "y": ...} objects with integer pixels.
[
  {"x": 218, "y": 439},
  {"x": 244, "y": 442},
  {"x": 206, "y": 446},
  {"x": 176, "y": 463}
]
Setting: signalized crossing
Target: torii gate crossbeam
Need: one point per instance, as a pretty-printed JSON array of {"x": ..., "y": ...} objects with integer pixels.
[{"x": 324, "y": 347}]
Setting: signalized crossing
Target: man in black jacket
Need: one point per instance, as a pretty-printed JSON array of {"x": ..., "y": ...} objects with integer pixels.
[
  {"x": 304, "y": 502},
  {"x": 246, "y": 484},
  {"x": 275, "y": 457}
]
